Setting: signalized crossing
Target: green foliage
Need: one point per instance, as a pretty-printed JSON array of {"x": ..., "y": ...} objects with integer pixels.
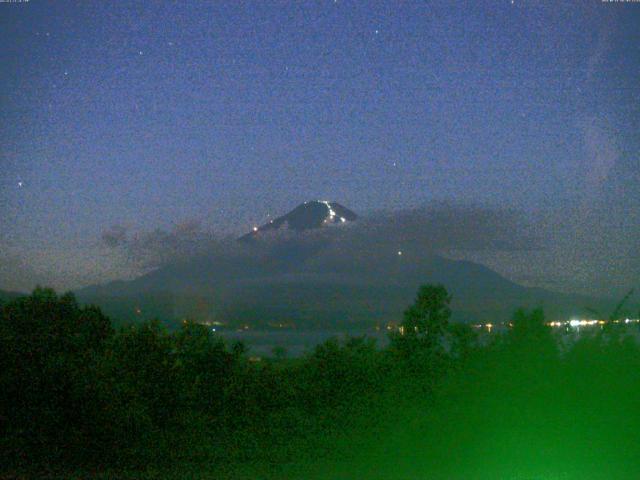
[
  {"x": 342, "y": 374},
  {"x": 204, "y": 366},
  {"x": 428, "y": 317},
  {"x": 48, "y": 352},
  {"x": 463, "y": 340},
  {"x": 530, "y": 330},
  {"x": 419, "y": 344},
  {"x": 438, "y": 402}
]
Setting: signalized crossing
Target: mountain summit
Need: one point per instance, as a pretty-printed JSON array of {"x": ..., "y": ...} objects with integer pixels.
[
  {"x": 358, "y": 280},
  {"x": 307, "y": 216}
]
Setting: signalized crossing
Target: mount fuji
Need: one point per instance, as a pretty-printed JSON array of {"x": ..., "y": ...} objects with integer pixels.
[{"x": 329, "y": 270}]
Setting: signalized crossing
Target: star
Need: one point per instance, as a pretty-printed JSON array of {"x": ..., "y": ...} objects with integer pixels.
[
  {"x": 399, "y": 253},
  {"x": 377, "y": 32},
  {"x": 20, "y": 184},
  {"x": 140, "y": 52}
]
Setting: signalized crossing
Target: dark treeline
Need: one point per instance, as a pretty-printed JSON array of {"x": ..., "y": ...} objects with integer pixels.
[{"x": 80, "y": 399}]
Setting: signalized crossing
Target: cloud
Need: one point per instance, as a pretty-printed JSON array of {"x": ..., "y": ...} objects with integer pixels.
[
  {"x": 592, "y": 250},
  {"x": 426, "y": 230},
  {"x": 571, "y": 250},
  {"x": 446, "y": 226},
  {"x": 62, "y": 267},
  {"x": 601, "y": 154},
  {"x": 115, "y": 236},
  {"x": 16, "y": 273},
  {"x": 152, "y": 249}
]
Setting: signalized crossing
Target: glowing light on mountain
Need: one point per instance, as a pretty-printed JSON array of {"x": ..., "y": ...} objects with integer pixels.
[{"x": 332, "y": 213}]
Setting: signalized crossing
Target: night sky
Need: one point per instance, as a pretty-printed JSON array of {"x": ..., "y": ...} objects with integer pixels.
[{"x": 147, "y": 115}]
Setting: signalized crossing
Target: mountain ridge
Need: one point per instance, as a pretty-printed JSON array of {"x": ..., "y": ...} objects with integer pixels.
[
  {"x": 309, "y": 215},
  {"x": 319, "y": 277}
]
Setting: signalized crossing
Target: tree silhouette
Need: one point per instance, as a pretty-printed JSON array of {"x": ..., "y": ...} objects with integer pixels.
[
  {"x": 419, "y": 343},
  {"x": 48, "y": 350},
  {"x": 429, "y": 315},
  {"x": 203, "y": 365}
]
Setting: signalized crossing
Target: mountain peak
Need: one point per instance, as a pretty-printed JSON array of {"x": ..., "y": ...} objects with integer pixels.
[{"x": 307, "y": 216}]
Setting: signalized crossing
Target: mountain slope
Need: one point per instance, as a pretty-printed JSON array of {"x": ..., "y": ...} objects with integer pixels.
[
  {"x": 319, "y": 277},
  {"x": 307, "y": 216}
]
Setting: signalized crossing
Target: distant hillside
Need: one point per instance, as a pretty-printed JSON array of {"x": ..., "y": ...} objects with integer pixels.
[
  {"x": 315, "y": 277},
  {"x": 7, "y": 296}
]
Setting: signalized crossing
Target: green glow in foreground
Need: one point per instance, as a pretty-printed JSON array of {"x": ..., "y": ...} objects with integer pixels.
[{"x": 182, "y": 405}]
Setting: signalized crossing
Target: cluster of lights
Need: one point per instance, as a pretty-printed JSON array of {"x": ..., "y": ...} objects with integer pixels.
[
  {"x": 576, "y": 323},
  {"x": 573, "y": 323},
  {"x": 488, "y": 326},
  {"x": 589, "y": 323},
  {"x": 585, "y": 323},
  {"x": 332, "y": 213}
]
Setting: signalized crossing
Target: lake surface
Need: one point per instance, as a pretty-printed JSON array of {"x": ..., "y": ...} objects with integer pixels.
[{"x": 260, "y": 343}]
